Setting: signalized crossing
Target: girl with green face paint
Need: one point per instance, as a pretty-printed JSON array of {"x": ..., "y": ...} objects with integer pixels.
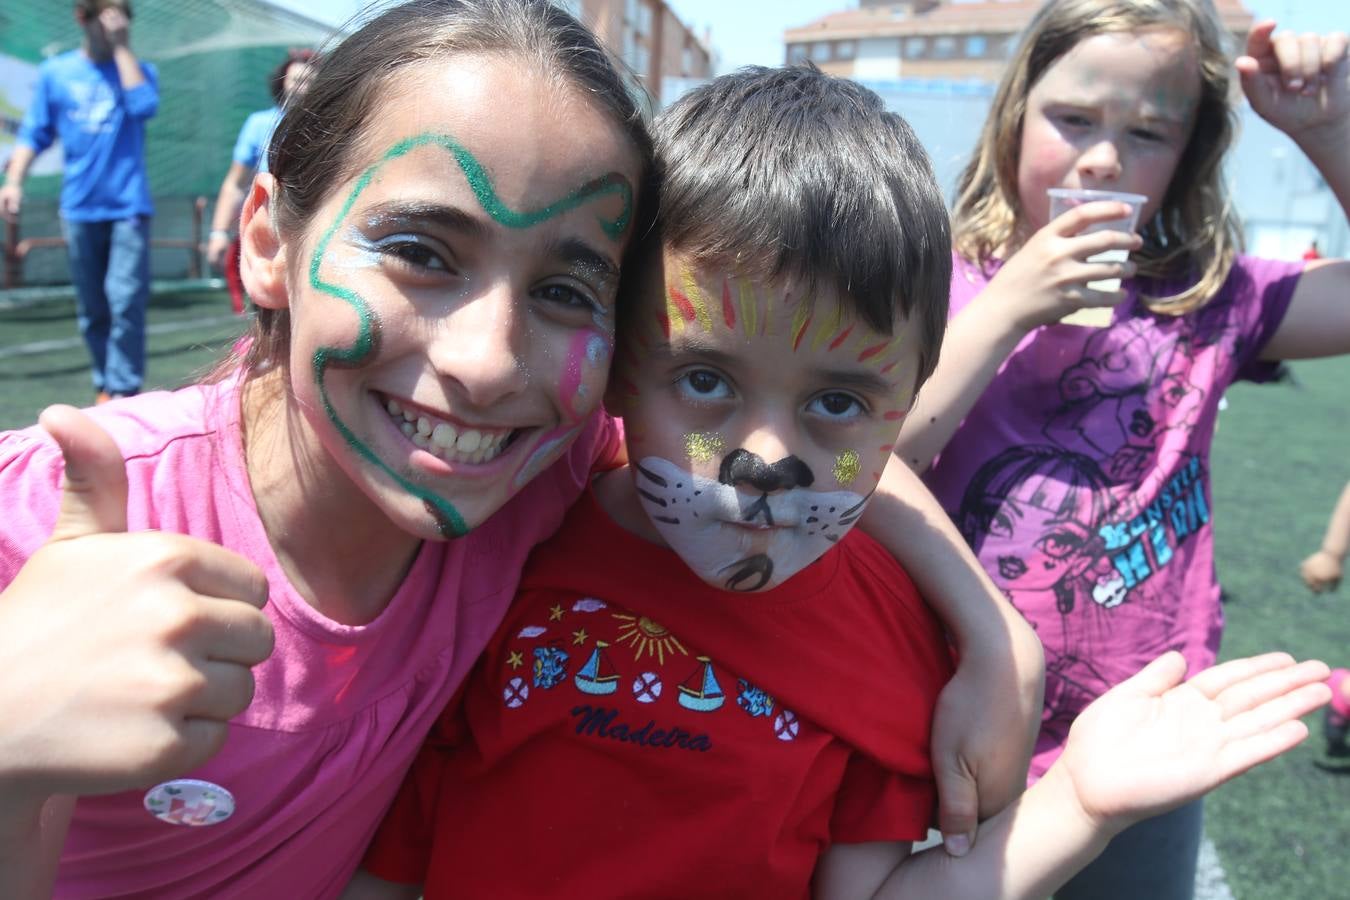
[{"x": 344, "y": 508}]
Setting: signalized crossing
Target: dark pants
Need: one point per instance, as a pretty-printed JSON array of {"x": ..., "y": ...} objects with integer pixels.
[
  {"x": 110, "y": 268},
  {"x": 1155, "y": 859}
]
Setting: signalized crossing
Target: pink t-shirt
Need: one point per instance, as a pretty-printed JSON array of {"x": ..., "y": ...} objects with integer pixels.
[
  {"x": 1081, "y": 479},
  {"x": 339, "y": 711}
]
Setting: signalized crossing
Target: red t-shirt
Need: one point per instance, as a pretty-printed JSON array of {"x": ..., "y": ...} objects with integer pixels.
[{"x": 633, "y": 732}]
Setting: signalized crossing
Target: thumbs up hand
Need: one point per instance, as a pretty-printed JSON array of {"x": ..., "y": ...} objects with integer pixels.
[{"x": 126, "y": 654}]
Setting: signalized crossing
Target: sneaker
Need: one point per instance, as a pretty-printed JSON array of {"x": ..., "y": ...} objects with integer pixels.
[{"x": 1336, "y": 724}]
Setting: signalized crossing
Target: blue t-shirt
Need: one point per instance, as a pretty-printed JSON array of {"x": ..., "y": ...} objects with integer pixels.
[
  {"x": 102, "y": 130},
  {"x": 250, "y": 150}
]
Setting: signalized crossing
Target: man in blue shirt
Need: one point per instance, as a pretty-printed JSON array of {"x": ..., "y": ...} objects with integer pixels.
[{"x": 97, "y": 100}]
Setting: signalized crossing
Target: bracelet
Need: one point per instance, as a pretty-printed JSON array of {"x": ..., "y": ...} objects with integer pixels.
[{"x": 220, "y": 232}]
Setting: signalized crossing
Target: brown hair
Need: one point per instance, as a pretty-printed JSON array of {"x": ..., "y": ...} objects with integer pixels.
[
  {"x": 313, "y": 148},
  {"x": 1195, "y": 235},
  {"x": 792, "y": 172}
]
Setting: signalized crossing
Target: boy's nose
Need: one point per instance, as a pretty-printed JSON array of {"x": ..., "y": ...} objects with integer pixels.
[{"x": 482, "y": 347}]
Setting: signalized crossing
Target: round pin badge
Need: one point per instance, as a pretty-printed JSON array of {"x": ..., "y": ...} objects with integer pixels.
[{"x": 187, "y": 801}]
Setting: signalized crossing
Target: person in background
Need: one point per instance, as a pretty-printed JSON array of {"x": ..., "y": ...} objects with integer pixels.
[
  {"x": 1109, "y": 552},
  {"x": 96, "y": 100},
  {"x": 250, "y": 156}
]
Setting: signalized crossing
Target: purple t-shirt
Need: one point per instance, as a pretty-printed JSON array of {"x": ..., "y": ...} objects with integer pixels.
[
  {"x": 339, "y": 710},
  {"x": 1081, "y": 479}
]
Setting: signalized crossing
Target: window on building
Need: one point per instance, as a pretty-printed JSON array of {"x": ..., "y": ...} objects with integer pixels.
[
  {"x": 820, "y": 51},
  {"x": 976, "y": 45},
  {"x": 687, "y": 61},
  {"x": 944, "y": 47},
  {"x": 644, "y": 19},
  {"x": 641, "y": 60},
  {"x": 845, "y": 49},
  {"x": 914, "y": 47},
  {"x": 630, "y": 11},
  {"x": 798, "y": 53}
]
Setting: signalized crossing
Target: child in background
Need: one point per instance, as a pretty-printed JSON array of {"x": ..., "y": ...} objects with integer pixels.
[
  {"x": 250, "y": 156},
  {"x": 435, "y": 256},
  {"x": 1131, "y": 96},
  {"x": 709, "y": 686},
  {"x": 1321, "y": 571}
]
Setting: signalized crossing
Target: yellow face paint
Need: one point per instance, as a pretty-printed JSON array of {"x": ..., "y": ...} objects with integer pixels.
[
  {"x": 703, "y": 446},
  {"x": 846, "y": 467}
]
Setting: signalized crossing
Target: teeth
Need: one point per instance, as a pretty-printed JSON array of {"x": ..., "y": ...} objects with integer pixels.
[
  {"x": 443, "y": 439},
  {"x": 443, "y": 435}
]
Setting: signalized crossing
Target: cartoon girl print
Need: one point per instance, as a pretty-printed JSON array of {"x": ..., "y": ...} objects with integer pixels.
[
  {"x": 1129, "y": 396},
  {"x": 1032, "y": 514}
]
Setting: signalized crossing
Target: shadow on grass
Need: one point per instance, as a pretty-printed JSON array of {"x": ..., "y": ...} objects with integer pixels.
[{"x": 83, "y": 364}]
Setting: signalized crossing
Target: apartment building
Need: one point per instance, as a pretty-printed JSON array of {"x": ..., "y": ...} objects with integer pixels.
[
  {"x": 650, "y": 39},
  {"x": 946, "y": 40}
]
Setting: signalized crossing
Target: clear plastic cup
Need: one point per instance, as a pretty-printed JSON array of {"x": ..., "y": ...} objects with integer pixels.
[{"x": 1064, "y": 199}]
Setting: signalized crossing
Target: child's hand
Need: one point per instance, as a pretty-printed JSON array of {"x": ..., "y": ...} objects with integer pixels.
[
  {"x": 1321, "y": 572},
  {"x": 1152, "y": 744},
  {"x": 125, "y": 655},
  {"x": 1047, "y": 278},
  {"x": 1300, "y": 83}
]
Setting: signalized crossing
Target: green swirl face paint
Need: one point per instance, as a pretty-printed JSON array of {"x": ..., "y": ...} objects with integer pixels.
[{"x": 365, "y": 347}]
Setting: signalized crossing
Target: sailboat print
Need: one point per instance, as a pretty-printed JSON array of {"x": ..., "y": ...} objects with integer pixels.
[
  {"x": 700, "y": 691},
  {"x": 598, "y": 675}
]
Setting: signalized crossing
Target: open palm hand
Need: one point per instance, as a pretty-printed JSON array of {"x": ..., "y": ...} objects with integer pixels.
[{"x": 1154, "y": 743}]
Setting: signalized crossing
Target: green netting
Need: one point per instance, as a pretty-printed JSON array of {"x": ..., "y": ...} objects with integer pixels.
[{"x": 213, "y": 57}]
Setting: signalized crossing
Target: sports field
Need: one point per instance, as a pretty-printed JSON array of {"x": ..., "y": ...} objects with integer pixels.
[{"x": 1281, "y": 456}]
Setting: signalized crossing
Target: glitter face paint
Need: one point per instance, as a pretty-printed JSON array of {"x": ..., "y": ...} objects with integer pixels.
[
  {"x": 703, "y": 446},
  {"x": 847, "y": 465},
  {"x": 365, "y": 347}
]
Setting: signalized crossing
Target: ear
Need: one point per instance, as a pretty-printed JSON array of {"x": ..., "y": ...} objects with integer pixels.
[{"x": 262, "y": 251}]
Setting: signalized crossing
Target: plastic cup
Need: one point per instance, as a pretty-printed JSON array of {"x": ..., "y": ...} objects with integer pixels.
[{"x": 1064, "y": 199}]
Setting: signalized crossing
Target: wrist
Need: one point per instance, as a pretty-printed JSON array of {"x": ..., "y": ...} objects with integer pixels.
[
  {"x": 1338, "y": 555},
  {"x": 221, "y": 233}
]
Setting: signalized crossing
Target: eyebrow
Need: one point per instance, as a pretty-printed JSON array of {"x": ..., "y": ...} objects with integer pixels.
[
  {"x": 583, "y": 256},
  {"x": 863, "y": 381},
  {"x": 1080, "y": 103},
  {"x": 404, "y": 213}
]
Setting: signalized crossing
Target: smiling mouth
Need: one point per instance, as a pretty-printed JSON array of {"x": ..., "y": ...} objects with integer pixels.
[
  {"x": 445, "y": 441},
  {"x": 1011, "y": 567}
]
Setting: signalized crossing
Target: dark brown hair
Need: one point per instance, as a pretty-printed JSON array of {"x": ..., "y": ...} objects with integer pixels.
[{"x": 793, "y": 173}]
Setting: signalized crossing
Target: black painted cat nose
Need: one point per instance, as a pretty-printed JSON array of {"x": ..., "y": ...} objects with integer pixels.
[{"x": 741, "y": 466}]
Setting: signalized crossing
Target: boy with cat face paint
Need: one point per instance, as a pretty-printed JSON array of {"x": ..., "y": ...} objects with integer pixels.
[{"x": 709, "y": 684}]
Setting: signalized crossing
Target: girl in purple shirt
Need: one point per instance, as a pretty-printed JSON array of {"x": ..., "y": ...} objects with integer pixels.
[{"x": 1075, "y": 457}]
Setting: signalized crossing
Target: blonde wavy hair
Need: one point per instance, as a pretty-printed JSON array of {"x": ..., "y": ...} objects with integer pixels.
[{"x": 1195, "y": 235}]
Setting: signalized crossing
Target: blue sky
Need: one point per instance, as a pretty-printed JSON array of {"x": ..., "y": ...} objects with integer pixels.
[{"x": 745, "y": 32}]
